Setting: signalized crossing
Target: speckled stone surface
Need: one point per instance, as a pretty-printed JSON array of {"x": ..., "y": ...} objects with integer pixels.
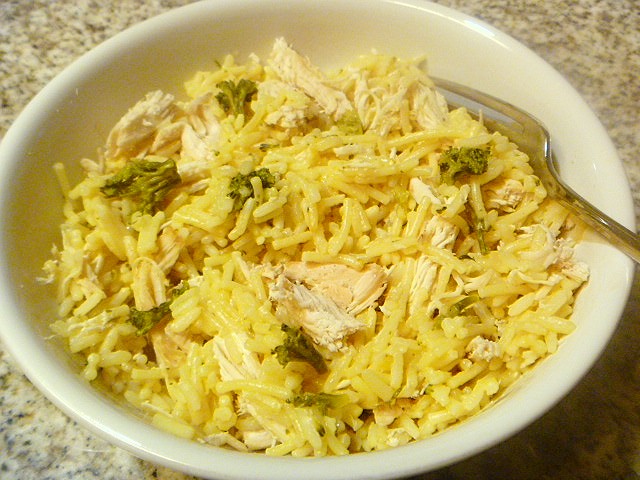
[{"x": 594, "y": 433}]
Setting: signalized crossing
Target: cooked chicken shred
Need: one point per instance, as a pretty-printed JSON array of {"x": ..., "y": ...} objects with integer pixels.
[
  {"x": 325, "y": 299},
  {"x": 299, "y": 72},
  {"x": 137, "y": 129}
]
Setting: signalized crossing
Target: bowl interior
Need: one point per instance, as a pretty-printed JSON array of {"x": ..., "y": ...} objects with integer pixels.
[{"x": 71, "y": 117}]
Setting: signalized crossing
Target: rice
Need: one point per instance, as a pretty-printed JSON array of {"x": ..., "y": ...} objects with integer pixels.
[{"x": 422, "y": 300}]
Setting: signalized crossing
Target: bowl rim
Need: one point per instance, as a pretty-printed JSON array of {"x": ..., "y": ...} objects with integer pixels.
[{"x": 106, "y": 420}]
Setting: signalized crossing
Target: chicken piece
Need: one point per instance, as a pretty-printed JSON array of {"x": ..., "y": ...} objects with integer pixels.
[
  {"x": 397, "y": 436},
  {"x": 170, "y": 242},
  {"x": 422, "y": 282},
  {"x": 225, "y": 438},
  {"x": 194, "y": 148},
  {"x": 318, "y": 315},
  {"x": 199, "y": 140},
  {"x": 295, "y": 109},
  {"x": 420, "y": 190},
  {"x": 148, "y": 285},
  {"x": 504, "y": 194},
  {"x": 516, "y": 276},
  {"x": 379, "y": 108},
  {"x": 202, "y": 118},
  {"x": 235, "y": 360},
  {"x": 385, "y": 414},
  {"x": 268, "y": 428},
  {"x": 576, "y": 270},
  {"x": 480, "y": 348},
  {"x": 135, "y": 131},
  {"x": 171, "y": 348},
  {"x": 542, "y": 252},
  {"x": 380, "y": 104},
  {"x": 352, "y": 290},
  {"x": 440, "y": 232},
  {"x": 296, "y": 70},
  {"x": 429, "y": 105},
  {"x": 167, "y": 140},
  {"x": 474, "y": 283},
  {"x": 567, "y": 264},
  {"x": 258, "y": 439},
  {"x": 547, "y": 251}
]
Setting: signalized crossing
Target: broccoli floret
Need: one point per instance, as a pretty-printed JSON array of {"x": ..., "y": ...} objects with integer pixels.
[
  {"x": 240, "y": 188},
  {"x": 324, "y": 401},
  {"x": 463, "y": 160},
  {"x": 145, "y": 320},
  {"x": 299, "y": 347},
  {"x": 233, "y": 96},
  {"x": 147, "y": 182}
]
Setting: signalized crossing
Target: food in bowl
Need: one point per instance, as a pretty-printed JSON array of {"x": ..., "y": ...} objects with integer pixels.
[{"x": 310, "y": 263}]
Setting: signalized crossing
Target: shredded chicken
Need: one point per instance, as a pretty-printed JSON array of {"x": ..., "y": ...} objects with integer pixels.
[
  {"x": 170, "y": 243},
  {"x": 299, "y": 72},
  {"x": 567, "y": 264},
  {"x": 318, "y": 315},
  {"x": 135, "y": 131},
  {"x": 420, "y": 191},
  {"x": 295, "y": 109},
  {"x": 385, "y": 414},
  {"x": 235, "y": 360},
  {"x": 440, "y": 232},
  {"x": 352, "y": 290},
  {"x": 325, "y": 299},
  {"x": 258, "y": 439},
  {"x": 170, "y": 347},
  {"x": 480, "y": 348},
  {"x": 379, "y": 106},
  {"x": 505, "y": 194},
  {"x": 423, "y": 279},
  {"x": 148, "y": 285},
  {"x": 168, "y": 138},
  {"x": 199, "y": 139},
  {"x": 224, "y": 438},
  {"x": 430, "y": 106},
  {"x": 545, "y": 253},
  {"x": 552, "y": 251},
  {"x": 202, "y": 118}
]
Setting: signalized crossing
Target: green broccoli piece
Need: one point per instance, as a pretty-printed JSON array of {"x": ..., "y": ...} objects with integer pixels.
[
  {"x": 464, "y": 160},
  {"x": 233, "y": 96},
  {"x": 350, "y": 123},
  {"x": 298, "y": 346},
  {"x": 461, "y": 305},
  {"x": 145, "y": 320},
  {"x": 147, "y": 182},
  {"x": 481, "y": 228},
  {"x": 240, "y": 188},
  {"x": 324, "y": 401},
  {"x": 478, "y": 224}
]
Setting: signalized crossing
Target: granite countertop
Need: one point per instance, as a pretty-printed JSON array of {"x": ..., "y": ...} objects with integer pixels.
[{"x": 594, "y": 433}]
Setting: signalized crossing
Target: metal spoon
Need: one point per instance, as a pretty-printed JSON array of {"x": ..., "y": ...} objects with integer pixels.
[{"x": 533, "y": 139}]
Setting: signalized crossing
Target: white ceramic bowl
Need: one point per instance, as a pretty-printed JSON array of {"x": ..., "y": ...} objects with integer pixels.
[{"x": 72, "y": 115}]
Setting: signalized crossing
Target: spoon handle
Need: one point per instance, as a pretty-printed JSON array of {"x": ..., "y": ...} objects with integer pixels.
[{"x": 617, "y": 234}]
